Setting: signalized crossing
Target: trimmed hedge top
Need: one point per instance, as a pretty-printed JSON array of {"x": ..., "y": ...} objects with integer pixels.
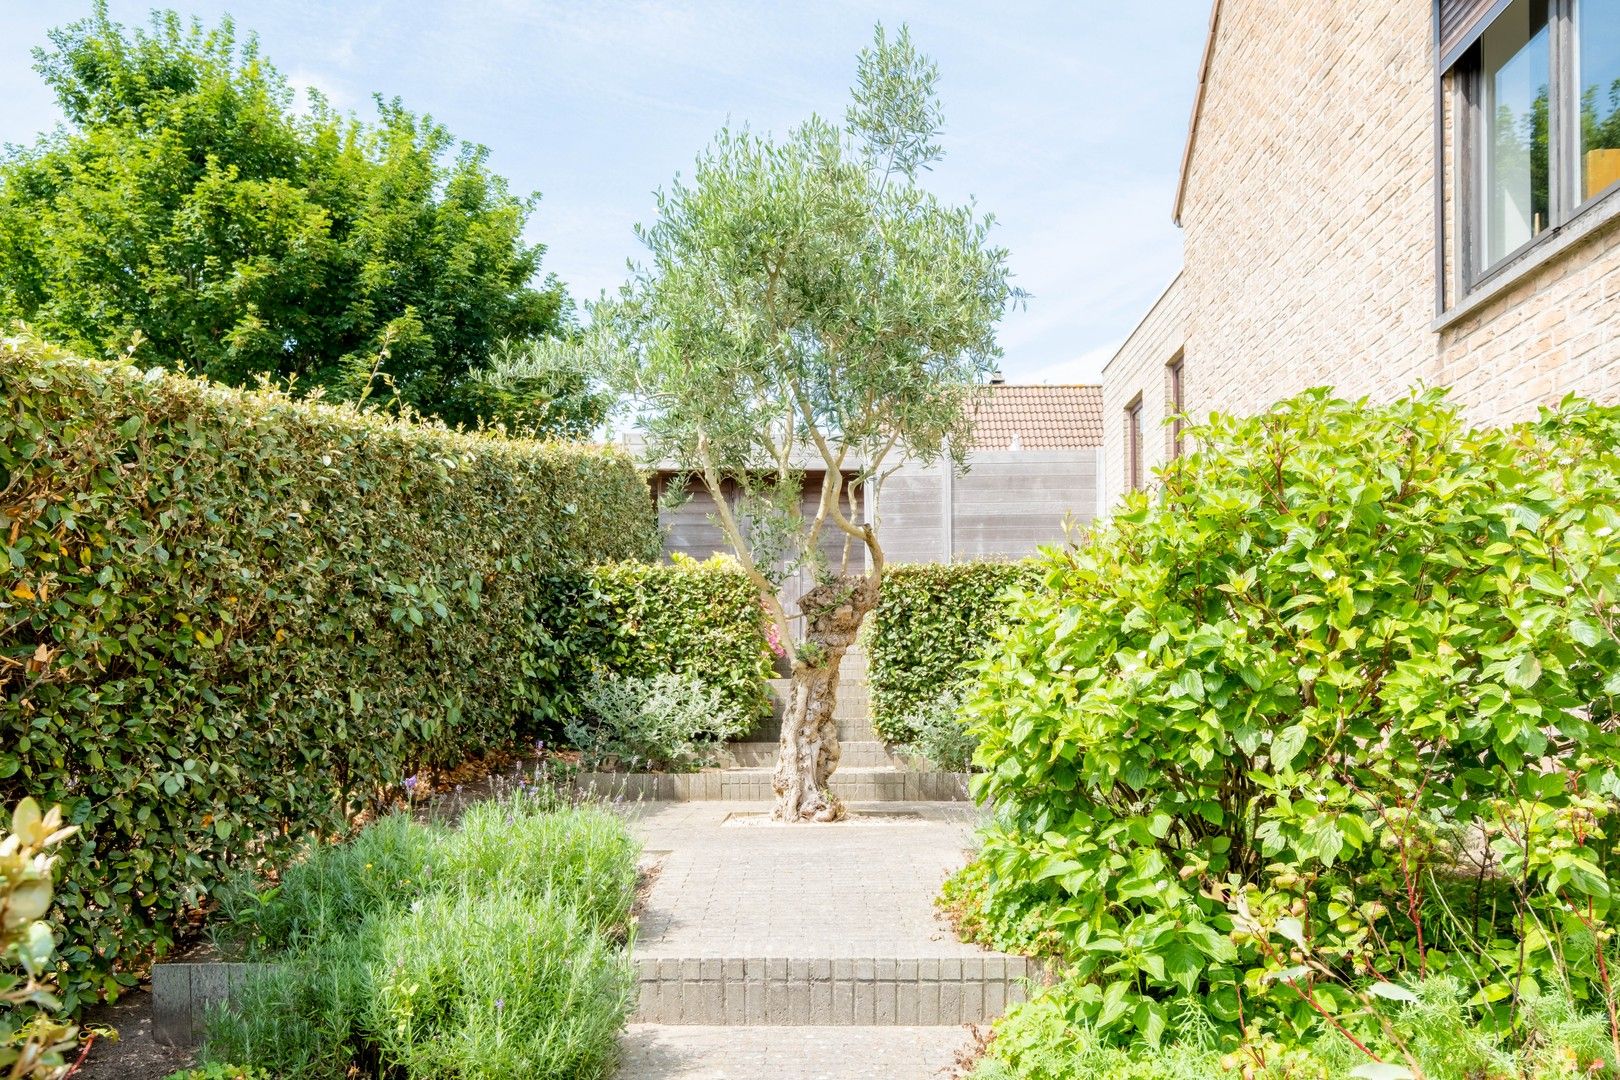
[
  {"x": 229, "y": 617},
  {"x": 932, "y": 620}
]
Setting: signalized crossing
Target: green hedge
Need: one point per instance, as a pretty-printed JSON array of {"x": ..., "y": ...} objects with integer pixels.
[
  {"x": 227, "y": 618},
  {"x": 932, "y": 620},
  {"x": 695, "y": 618}
]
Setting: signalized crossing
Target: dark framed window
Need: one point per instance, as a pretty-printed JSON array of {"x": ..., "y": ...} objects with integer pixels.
[
  {"x": 1537, "y": 110},
  {"x": 1176, "y": 399},
  {"x": 1133, "y": 444}
]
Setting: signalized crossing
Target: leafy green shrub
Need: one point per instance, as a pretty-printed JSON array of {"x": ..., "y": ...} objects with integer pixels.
[
  {"x": 33, "y": 1040},
  {"x": 218, "y": 1071},
  {"x": 488, "y": 950},
  {"x": 1329, "y": 711},
  {"x": 667, "y": 722},
  {"x": 696, "y": 618},
  {"x": 1042, "y": 1041},
  {"x": 932, "y": 621},
  {"x": 942, "y": 734},
  {"x": 230, "y": 618}
]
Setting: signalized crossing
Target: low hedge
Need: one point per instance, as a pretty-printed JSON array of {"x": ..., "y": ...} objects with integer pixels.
[
  {"x": 694, "y": 618},
  {"x": 932, "y": 620},
  {"x": 228, "y": 618}
]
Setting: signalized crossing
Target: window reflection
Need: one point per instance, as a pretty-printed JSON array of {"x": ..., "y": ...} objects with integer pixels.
[
  {"x": 1597, "y": 24},
  {"x": 1515, "y": 60}
]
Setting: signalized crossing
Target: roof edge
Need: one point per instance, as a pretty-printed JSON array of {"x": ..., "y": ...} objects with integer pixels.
[
  {"x": 1168, "y": 289},
  {"x": 1043, "y": 386},
  {"x": 1197, "y": 110}
]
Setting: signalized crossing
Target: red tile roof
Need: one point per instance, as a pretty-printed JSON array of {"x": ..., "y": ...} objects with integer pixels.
[{"x": 1039, "y": 418}]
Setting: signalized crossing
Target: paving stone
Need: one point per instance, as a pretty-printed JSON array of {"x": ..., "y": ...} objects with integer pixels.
[
  {"x": 739, "y": 892},
  {"x": 652, "y": 1052},
  {"x": 747, "y": 980}
]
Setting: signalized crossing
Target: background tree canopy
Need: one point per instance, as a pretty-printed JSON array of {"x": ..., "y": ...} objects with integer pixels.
[{"x": 187, "y": 202}]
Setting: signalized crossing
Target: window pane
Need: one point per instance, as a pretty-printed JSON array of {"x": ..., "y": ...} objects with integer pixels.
[
  {"x": 1515, "y": 57},
  {"x": 1597, "y": 26},
  {"x": 1133, "y": 433}
]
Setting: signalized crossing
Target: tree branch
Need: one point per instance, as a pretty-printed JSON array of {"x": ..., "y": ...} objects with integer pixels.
[{"x": 714, "y": 482}]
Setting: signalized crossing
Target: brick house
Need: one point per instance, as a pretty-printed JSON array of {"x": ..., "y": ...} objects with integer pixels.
[{"x": 1375, "y": 196}]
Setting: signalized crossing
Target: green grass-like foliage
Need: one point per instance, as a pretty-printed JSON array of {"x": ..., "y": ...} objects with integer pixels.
[
  {"x": 941, "y": 733},
  {"x": 228, "y": 618},
  {"x": 491, "y": 950},
  {"x": 1249, "y": 743},
  {"x": 932, "y": 621}
]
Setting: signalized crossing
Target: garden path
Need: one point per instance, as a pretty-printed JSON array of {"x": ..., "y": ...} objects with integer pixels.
[{"x": 806, "y": 952}]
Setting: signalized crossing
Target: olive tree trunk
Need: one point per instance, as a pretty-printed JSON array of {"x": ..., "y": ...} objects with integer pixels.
[{"x": 808, "y": 753}]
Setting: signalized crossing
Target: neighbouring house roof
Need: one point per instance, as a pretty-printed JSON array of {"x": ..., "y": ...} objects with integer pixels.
[
  {"x": 1038, "y": 418},
  {"x": 1008, "y": 417},
  {"x": 1197, "y": 108}
]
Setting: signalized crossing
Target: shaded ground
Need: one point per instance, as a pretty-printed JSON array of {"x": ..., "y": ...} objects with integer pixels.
[{"x": 135, "y": 1055}]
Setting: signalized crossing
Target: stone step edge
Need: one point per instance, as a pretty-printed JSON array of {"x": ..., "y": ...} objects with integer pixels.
[
  {"x": 850, "y": 729},
  {"x": 182, "y": 994},
  {"x": 856, "y": 753},
  {"x": 754, "y": 785},
  {"x": 847, "y": 992}
]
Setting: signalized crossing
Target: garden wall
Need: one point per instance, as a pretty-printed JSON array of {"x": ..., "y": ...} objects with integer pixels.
[{"x": 228, "y": 618}]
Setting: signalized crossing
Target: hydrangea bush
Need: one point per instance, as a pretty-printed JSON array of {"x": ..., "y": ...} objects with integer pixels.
[{"x": 1328, "y": 710}]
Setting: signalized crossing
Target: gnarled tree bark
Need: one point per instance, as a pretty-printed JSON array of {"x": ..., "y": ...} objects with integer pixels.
[{"x": 808, "y": 753}]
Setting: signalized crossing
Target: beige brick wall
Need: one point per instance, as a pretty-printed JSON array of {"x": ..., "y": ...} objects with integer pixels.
[
  {"x": 1308, "y": 213},
  {"x": 1140, "y": 367},
  {"x": 1308, "y": 208},
  {"x": 1553, "y": 332}
]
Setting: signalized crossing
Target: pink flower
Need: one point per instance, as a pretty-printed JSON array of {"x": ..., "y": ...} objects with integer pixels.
[{"x": 774, "y": 639}]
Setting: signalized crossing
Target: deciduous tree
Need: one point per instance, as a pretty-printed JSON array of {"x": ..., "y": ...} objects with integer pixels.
[
  {"x": 186, "y": 200},
  {"x": 807, "y": 306}
]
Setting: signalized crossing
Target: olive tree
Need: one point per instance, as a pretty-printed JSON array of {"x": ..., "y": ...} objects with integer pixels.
[{"x": 806, "y": 306}]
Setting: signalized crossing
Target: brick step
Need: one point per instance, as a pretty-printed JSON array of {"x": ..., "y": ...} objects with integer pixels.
[
  {"x": 849, "y": 730},
  {"x": 851, "y": 703},
  {"x": 858, "y": 991},
  {"x": 856, "y": 754},
  {"x": 754, "y": 785}
]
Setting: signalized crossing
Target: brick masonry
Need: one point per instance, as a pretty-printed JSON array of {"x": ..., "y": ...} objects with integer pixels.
[
  {"x": 1308, "y": 208},
  {"x": 854, "y": 991},
  {"x": 886, "y": 784},
  {"x": 1141, "y": 368}
]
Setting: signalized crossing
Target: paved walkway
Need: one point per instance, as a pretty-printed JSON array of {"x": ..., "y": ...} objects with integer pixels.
[
  {"x": 732, "y": 884},
  {"x": 844, "y": 909},
  {"x": 656, "y": 1052}
]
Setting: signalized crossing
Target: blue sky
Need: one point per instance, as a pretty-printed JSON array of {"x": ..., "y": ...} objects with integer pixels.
[{"x": 1064, "y": 119}]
